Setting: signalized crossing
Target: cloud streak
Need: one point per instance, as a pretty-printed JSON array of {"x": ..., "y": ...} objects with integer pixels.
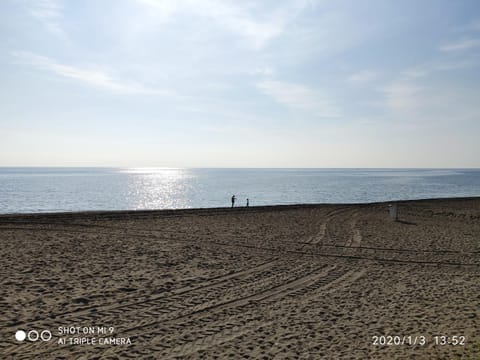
[
  {"x": 231, "y": 16},
  {"x": 402, "y": 96},
  {"x": 299, "y": 97},
  {"x": 48, "y": 12},
  {"x": 362, "y": 77},
  {"x": 95, "y": 78},
  {"x": 460, "y": 45}
]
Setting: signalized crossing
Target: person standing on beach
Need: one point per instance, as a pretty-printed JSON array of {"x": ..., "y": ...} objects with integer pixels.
[
  {"x": 233, "y": 200},
  {"x": 248, "y": 203}
]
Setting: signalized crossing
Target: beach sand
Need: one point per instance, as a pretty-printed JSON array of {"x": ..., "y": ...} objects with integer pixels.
[{"x": 283, "y": 282}]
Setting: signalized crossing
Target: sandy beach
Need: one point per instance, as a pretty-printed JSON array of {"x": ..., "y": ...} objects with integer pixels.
[{"x": 280, "y": 282}]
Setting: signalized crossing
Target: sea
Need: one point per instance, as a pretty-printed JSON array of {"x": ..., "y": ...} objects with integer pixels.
[{"x": 29, "y": 190}]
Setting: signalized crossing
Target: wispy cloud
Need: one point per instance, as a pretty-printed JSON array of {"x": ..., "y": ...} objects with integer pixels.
[
  {"x": 407, "y": 94},
  {"x": 417, "y": 104},
  {"x": 299, "y": 97},
  {"x": 431, "y": 68},
  {"x": 95, "y": 78},
  {"x": 475, "y": 25},
  {"x": 263, "y": 71},
  {"x": 164, "y": 10},
  {"x": 233, "y": 16},
  {"x": 362, "y": 77},
  {"x": 461, "y": 45},
  {"x": 48, "y": 12},
  {"x": 401, "y": 96}
]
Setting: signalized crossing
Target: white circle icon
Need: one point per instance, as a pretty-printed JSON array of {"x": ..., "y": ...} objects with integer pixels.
[
  {"x": 20, "y": 335},
  {"x": 46, "y": 335},
  {"x": 33, "y": 335}
]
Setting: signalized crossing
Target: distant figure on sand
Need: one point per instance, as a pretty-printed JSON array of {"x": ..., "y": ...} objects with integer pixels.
[
  {"x": 248, "y": 203},
  {"x": 233, "y": 200}
]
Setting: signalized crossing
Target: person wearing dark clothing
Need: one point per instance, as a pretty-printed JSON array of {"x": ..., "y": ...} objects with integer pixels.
[
  {"x": 233, "y": 200},
  {"x": 248, "y": 203}
]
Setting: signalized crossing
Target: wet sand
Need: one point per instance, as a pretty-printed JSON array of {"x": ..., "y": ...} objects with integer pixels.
[{"x": 283, "y": 282}]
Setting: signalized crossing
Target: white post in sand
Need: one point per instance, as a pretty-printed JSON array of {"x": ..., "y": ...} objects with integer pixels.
[{"x": 392, "y": 209}]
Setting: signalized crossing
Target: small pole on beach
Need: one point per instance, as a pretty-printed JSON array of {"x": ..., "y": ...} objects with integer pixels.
[{"x": 393, "y": 211}]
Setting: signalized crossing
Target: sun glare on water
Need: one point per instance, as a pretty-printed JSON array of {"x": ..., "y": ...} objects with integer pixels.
[{"x": 159, "y": 188}]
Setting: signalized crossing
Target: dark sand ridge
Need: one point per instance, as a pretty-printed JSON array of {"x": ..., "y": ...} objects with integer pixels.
[{"x": 303, "y": 281}]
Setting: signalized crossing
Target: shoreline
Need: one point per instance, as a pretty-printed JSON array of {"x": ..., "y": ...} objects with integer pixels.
[{"x": 227, "y": 209}]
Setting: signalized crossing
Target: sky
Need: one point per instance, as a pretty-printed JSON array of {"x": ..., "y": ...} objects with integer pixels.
[{"x": 219, "y": 83}]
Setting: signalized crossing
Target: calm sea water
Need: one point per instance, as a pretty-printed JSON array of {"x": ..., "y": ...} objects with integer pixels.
[{"x": 72, "y": 189}]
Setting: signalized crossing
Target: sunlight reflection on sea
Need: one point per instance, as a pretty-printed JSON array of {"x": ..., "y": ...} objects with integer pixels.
[{"x": 77, "y": 189}]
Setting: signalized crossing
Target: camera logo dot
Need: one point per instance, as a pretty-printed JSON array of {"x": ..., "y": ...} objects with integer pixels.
[
  {"x": 33, "y": 335},
  {"x": 20, "y": 335}
]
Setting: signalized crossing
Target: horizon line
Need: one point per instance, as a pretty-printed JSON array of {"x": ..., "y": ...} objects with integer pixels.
[{"x": 227, "y": 168}]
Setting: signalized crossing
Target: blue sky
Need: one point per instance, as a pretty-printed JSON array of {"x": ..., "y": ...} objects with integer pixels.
[{"x": 213, "y": 83}]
